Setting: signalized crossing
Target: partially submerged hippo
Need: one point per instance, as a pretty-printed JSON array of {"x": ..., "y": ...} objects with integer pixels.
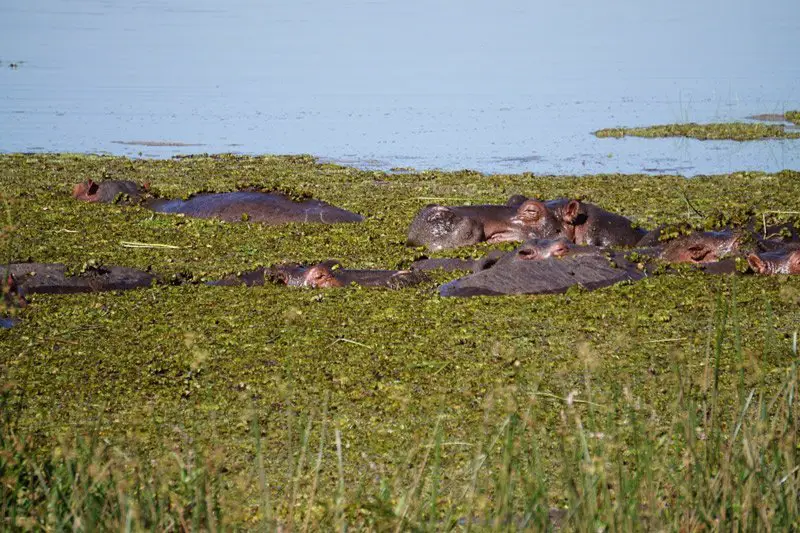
[
  {"x": 52, "y": 278},
  {"x": 109, "y": 191},
  {"x": 324, "y": 275},
  {"x": 440, "y": 227},
  {"x": 783, "y": 261},
  {"x": 544, "y": 276},
  {"x": 702, "y": 247},
  {"x": 579, "y": 222},
  {"x": 238, "y": 206},
  {"x": 255, "y": 206}
]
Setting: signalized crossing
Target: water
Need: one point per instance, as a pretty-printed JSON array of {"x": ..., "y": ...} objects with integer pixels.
[{"x": 502, "y": 86}]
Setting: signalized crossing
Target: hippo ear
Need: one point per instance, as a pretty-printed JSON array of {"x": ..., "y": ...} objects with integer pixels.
[
  {"x": 531, "y": 211},
  {"x": 516, "y": 200},
  {"x": 572, "y": 211},
  {"x": 757, "y": 264},
  {"x": 440, "y": 213},
  {"x": 794, "y": 262},
  {"x": 320, "y": 276},
  {"x": 91, "y": 187}
]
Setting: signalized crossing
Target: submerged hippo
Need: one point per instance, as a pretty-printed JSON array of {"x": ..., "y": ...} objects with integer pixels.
[
  {"x": 544, "y": 276},
  {"x": 324, "y": 275},
  {"x": 783, "y": 261},
  {"x": 254, "y": 206},
  {"x": 701, "y": 247},
  {"x": 52, "y": 278}
]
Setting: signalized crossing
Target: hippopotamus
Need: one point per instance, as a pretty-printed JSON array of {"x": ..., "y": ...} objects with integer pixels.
[
  {"x": 440, "y": 227},
  {"x": 515, "y": 275},
  {"x": 783, "y": 261},
  {"x": 52, "y": 278},
  {"x": 238, "y": 206},
  {"x": 701, "y": 247},
  {"x": 255, "y": 206},
  {"x": 324, "y": 275},
  {"x": 109, "y": 191},
  {"x": 579, "y": 222}
]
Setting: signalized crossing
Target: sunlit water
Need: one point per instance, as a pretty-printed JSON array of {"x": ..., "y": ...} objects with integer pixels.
[{"x": 501, "y": 86}]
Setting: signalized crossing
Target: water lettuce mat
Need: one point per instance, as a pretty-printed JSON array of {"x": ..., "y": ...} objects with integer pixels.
[{"x": 379, "y": 408}]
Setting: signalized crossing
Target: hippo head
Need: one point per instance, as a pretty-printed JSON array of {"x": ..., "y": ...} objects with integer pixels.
[
  {"x": 86, "y": 191},
  {"x": 108, "y": 191},
  {"x": 786, "y": 261},
  {"x": 537, "y": 249},
  {"x": 439, "y": 227},
  {"x": 317, "y": 276},
  {"x": 702, "y": 247},
  {"x": 546, "y": 220}
]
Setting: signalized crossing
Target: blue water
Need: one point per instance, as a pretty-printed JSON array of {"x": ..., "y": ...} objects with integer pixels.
[{"x": 501, "y": 86}]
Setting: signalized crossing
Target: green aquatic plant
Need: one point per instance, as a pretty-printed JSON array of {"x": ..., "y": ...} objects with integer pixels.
[
  {"x": 734, "y": 131},
  {"x": 427, "y": 410},
  {"x": 792, "y": 116}
]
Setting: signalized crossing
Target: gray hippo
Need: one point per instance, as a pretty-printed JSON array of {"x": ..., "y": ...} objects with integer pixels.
[
  {"x": 52, "y": 278},
  {"x": 238, "y": 206}
]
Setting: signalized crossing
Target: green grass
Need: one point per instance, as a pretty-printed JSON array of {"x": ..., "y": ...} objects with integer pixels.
[
  {"x": 734, "y": 131},
  {"x": 207, "y": 404}
]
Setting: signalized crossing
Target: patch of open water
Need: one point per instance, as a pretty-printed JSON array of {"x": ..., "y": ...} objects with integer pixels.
[{"x": 508, "y": 86}]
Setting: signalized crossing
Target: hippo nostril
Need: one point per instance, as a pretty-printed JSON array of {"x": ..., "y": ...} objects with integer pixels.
[{"x": 527, "y": 254}]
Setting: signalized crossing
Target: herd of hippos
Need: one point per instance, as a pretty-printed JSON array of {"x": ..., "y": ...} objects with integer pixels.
[{"x": 564, "y": 243}]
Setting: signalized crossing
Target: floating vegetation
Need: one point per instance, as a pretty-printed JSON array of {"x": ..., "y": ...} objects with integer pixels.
[
  {"x": 733, "y": 131},
  {"x": 643, "y": 403}
]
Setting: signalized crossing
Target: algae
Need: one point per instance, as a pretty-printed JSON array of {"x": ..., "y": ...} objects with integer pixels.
[
  {"x": 734, "y": 131},
  {"x": 152, "y": 367}
]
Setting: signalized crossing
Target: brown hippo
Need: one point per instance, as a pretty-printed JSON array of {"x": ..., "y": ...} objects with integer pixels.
[
  {"x": 324, "y": 275},
  {"x": 255, "y": 206},
  {"x": 701, "y": 247},
  {"x": 783, "y": 261},
  {"x": 109, "y": 191},
  {"x": 52, "y": 278},
  {"x": 579, "y": 222},
  {"x": 440, "y": 227}
]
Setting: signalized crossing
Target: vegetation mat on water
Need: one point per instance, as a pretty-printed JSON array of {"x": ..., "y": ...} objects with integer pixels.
[
  {"x": 668, "y": 403},
  {"x": 733, "y": 131}
]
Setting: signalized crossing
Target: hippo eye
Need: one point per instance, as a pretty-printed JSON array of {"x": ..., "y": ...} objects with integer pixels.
[{"x": 560, "y": 251}]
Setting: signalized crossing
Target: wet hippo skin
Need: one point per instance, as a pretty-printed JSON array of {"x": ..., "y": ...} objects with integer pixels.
[
  {"x": 254, "y": 206},
  {"x": 323, "y": 275},
  {"x": 51, "y": 278},
  {"x": 440, "y": 227},
  {"x": 781, "y": 261},
  {"x": 545, "y": 276},
  {"x": 238, "y": 206}
]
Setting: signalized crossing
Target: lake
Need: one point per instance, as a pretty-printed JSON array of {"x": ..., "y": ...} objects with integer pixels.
[{"x": 503, "y": 86}]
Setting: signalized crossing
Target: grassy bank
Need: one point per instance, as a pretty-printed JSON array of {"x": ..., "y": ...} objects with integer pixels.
[{"x": 417, "y": 388}]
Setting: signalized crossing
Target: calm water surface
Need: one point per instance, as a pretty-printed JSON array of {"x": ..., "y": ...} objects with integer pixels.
[{"x": 501, "y": 86}]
